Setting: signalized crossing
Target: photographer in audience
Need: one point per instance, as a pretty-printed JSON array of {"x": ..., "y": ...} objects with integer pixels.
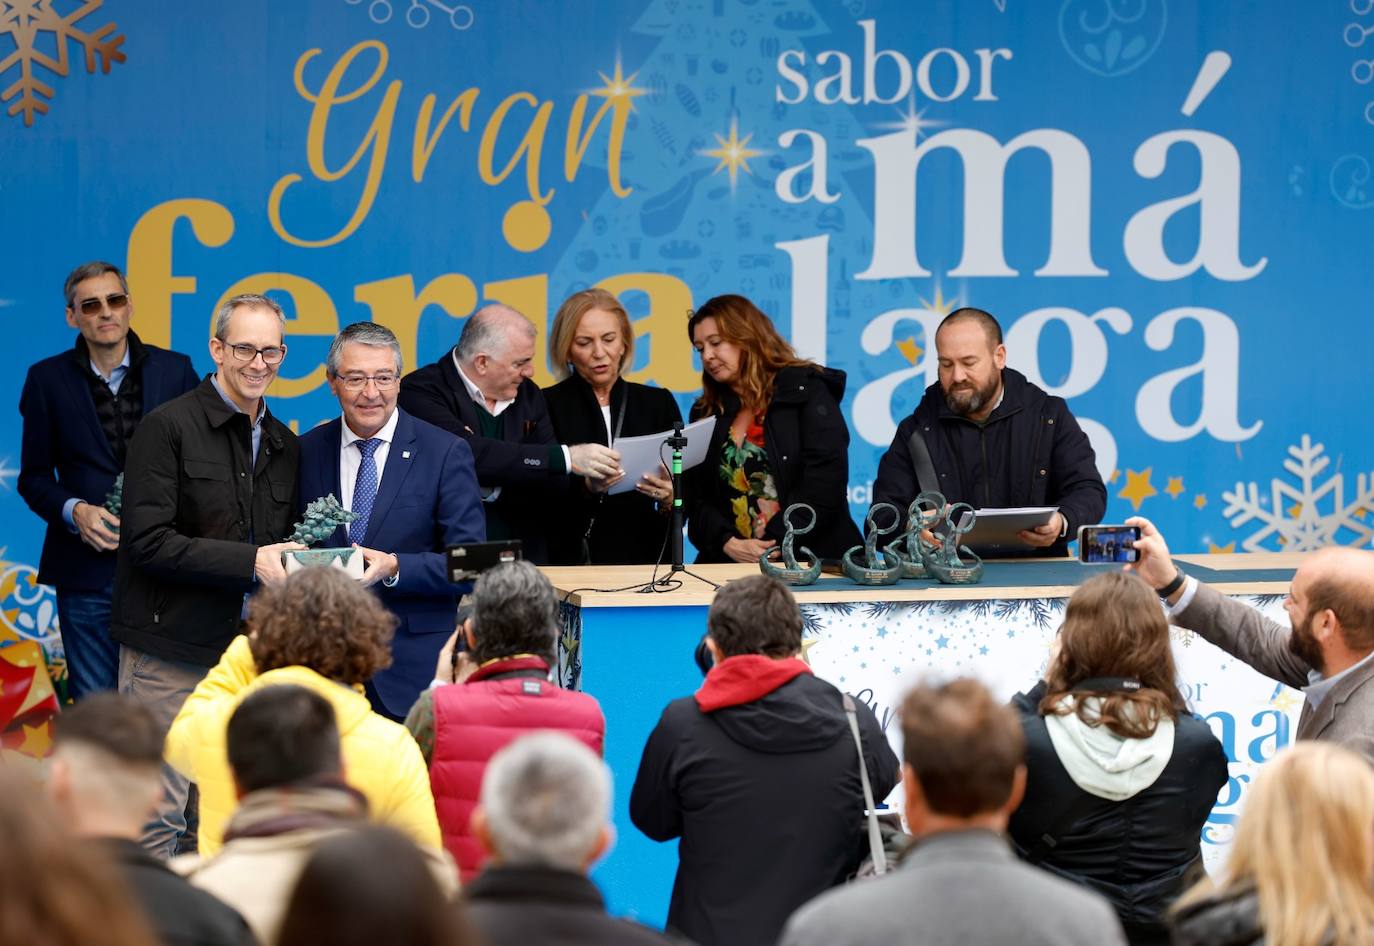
[{"x": 758, "y": 774}]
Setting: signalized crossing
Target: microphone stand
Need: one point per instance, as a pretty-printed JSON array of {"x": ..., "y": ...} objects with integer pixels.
[{"x": 676, "y": 443}]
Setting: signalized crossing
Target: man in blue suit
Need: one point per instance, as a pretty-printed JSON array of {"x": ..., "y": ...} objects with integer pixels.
[
  {"x": 414, "y": 490},
  {"x": 80, "y": 411}
]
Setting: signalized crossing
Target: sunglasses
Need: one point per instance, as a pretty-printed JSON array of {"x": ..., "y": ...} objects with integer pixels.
[{"x": 93, "y": 306}]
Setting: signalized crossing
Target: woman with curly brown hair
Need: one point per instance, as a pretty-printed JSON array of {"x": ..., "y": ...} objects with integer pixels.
[
  {"x": 319, "y": 629},
  {"x": 55, "y": 891},
  {"x": 1120, "y": 777},
  {"x": 780, "y": 439}
]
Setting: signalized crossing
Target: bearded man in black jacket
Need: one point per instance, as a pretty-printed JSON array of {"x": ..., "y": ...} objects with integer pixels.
[
  {"x": 758, "y": 773},
  {"x": 993, "y": 440}
]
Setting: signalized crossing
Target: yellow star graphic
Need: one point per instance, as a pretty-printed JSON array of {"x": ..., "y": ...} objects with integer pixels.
[
  {"x": 733, "y": 153},
  {"x": 807, "y": 644},
  {"x": 1227, "y": 549},
  {"x": 1175, "y": 487},
  {"x": 619, "y": 86},
  {"x": 1284, "y": 701},
  {"x": 1200, "y": 501},
  {"x": 37, "y": 741},
  {"x": 1116, "y": 475},
  {"x": 941, "y": 305},
  {"x": 910, "y": 350},
  {"x": 1295, "y": 510},
  {"x": 1138, "y": 487}
]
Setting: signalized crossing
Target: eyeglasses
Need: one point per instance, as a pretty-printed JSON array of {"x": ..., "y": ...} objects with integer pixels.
[
  {"x": 270, "y": 356},
  {"x": 93, "y": 306},
  {"x": 356, "y": 382}
]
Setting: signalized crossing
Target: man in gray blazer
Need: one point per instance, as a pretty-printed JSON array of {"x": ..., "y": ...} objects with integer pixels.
[
  {"x": 963, "y": 775},
  {"x": 1327, "y": 651}
]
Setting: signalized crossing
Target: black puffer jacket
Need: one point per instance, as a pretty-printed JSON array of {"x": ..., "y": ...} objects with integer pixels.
[
  {"x": 807, "y": 442},
  {"x": 1141, "y": 852},
  {"x": 1031, "y": 452},
  {"x": 1223, "y": 920}
]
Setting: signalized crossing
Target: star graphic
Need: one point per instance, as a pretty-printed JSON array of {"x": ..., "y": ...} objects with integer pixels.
[
  {"x": 1200, "y": 501},
  {"x": 1138, "y": 487},
  {"x": 910, "y": 120},
  {"x": 1284, "y": 700},
  {"x": 1116, "y": 475},
  {"x": 618, "y": 85},
  {"x": 7, "y": 473},
  {"x": 983, "y": 650},
  {"x": 882, "y": 631},
  {"x": 942, "y": 642},
  {"x": 37, "y": 740},
  {"x": 1175, "y": 487},
  {"x": 1214, "y": 549},
  {"x": 734, "y": 153},
  {"x": 1295, "y": 511}
]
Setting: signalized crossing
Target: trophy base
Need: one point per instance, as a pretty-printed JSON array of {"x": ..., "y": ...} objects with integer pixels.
[{"x": 350, "y": 561}]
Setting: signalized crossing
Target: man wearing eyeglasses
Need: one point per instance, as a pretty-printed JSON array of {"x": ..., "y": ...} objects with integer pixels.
[
  {"x": 209, "y": 494},
  {"x": 80, "y": 411},
  {"x": 414, "y": 490}
]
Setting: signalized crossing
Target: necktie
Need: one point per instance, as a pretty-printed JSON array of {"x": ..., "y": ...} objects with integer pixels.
[{"x": 364, "y": 489}]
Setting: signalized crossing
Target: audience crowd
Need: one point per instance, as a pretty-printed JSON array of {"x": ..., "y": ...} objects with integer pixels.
[{"x": 1072, "y": 815}]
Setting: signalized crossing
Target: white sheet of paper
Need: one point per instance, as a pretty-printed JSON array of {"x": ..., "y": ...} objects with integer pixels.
[{"x": 640, "y": 456}]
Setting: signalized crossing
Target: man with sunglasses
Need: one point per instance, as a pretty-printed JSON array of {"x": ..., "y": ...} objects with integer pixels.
[
  {"x": 414, "y": 490},
  {"x": 80, "y": 411},
  {"x": 209, "y": 494}
]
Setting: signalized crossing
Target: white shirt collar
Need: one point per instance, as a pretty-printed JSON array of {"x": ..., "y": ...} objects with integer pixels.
[
  {"x": 386, "y": 434},
  {"x": 476, "y": 393}
]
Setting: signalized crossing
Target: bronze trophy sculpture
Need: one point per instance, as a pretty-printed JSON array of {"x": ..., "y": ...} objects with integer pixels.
[
  {"x": 945, "y": 563},
  {"x": 791, "y": 571},
  {"x": 908, "y": 546},
  {"x": 322, "y": 517},
  {"x": 880, "y": 566},
  {"x": 114, "y": 502}
]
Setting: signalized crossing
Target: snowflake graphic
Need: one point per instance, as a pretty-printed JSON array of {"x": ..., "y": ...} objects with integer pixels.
[
  {"x": 25, "y": 21},
  {"x": 1306, "y": 517}
]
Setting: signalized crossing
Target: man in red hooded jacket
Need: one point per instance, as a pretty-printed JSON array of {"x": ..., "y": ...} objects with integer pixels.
[{"x": 758, "y": 774}]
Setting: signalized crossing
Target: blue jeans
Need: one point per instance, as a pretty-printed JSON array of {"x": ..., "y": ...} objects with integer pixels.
[
  {"x": 83, "y": 618},
  {"x": 162, "y": 686}
]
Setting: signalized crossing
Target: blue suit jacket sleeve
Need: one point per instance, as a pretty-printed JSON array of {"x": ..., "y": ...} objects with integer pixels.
[
  {"x": 458, "y": 519},
  {"x": 37, "y": 480}
]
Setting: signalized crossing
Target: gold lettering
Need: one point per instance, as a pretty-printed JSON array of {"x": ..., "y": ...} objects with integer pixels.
[
  {"x": 393, "y": 303},
  {"x": 577, "y": 144},
  {"x": 529, "y": 148},
  {"x": 670, "y": 354},
  {"x": 315, "y": 318},
  {"x": 375, "y": 141},
  {"x": 151, "y": 282},
  {"x": 528, "y": 295},
  {"x": 424, "y": 144}
]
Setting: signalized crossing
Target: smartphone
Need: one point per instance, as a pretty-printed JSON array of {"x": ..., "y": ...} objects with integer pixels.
[{"x": 1103, "y": 544}]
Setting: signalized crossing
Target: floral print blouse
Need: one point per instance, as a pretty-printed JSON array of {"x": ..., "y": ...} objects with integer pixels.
[{"x": 745, "y": 468}]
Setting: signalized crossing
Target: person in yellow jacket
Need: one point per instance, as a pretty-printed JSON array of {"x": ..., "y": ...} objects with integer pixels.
[{"x": 323, "y": 631}]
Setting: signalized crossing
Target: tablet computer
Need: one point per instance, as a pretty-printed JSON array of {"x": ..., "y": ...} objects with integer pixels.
[{"x": 995, "y": 530}]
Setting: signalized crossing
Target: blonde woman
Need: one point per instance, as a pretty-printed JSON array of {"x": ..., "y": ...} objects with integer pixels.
[
  {"x": 591, "y": 346},
  {"x": 1300, "y": 870}
]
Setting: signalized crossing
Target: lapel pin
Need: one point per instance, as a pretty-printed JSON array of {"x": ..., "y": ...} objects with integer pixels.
[{"x": 405, "y": 454}]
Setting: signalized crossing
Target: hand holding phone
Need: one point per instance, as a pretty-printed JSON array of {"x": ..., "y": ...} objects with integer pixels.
[{"x": 1106, "y": 544}]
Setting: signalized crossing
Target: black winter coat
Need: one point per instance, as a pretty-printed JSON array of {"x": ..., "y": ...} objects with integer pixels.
[
  {"x": 1031, "y": 452},
  {"x": 196, "y": 508},
  {"x": 524, "y": 461},
  {"x": 807, "y": 442},
  {"x": 767, "y": 800},
  {"x": 522, "y": 906},
  {"x": 1221, "y": 920},
  {"x": 180, "y": 914},
  {"x": 1140, "y": 853},
  {"x": 629, "y": 529}
]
